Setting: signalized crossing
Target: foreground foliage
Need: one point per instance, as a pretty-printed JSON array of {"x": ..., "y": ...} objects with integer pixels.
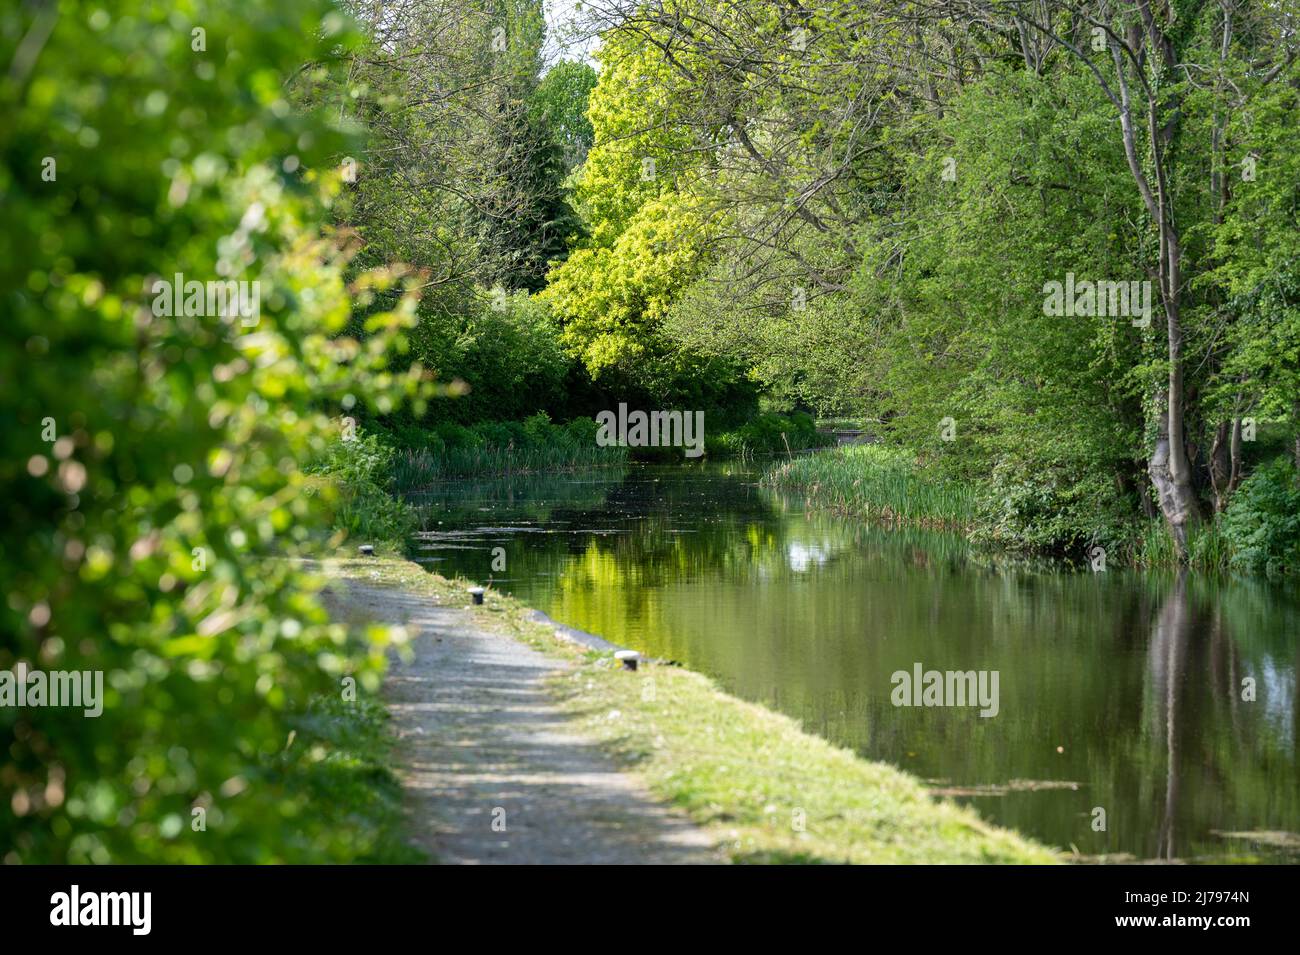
[{"x": 153, "y": 463}]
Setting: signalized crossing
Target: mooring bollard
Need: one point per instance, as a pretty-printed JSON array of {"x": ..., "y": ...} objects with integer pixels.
[
  {"x": 367, "y": 550},
  {"x": 477, "y": 594},
  {"x": 628, "y": 658}
]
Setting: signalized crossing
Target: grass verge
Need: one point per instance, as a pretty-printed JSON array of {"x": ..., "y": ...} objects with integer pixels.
[
  {"x": 347, "y": 776},
  {"x": 747, "y": 775}
]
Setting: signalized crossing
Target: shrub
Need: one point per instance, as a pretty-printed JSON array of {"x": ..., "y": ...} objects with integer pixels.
[
  {"x": 581, "y": 432},
  {"x": 1262, "y": 523},
  {"x": 501, "y": 447},
  {"x": 768, "y": 433},
  {"x": 506, "y": 349},
  {"x": 151, "y": 462},
  {"x": 1050, "y": 507},
  {"x": 362, "y": 470},
  {"x": 453, "y": 435}
]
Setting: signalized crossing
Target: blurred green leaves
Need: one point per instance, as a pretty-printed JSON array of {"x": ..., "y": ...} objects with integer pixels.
[{"x": 152, "y": 539}]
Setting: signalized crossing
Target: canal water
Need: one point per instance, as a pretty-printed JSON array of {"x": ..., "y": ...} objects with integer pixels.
[{"x": 1169, "y": 703}]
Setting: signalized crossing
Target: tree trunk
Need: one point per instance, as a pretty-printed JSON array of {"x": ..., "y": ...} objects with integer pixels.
[
  {"x": 1225, "y": 462},
  {"x": 1177, "y": 501},
  {"x": 1295, "y": 425},
  {"x": 1235, "y": 448},
  {"x": 1170, "y": 471},
  {"x": 1221, "y": 465},
  {"x": 1167, "y": 465}
]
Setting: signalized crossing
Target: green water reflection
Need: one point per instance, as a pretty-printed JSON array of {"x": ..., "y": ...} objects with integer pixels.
[{"x": 1119, "y": 691}]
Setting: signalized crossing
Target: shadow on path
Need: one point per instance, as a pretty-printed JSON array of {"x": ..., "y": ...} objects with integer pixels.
[{"x": 481, "y": 745}]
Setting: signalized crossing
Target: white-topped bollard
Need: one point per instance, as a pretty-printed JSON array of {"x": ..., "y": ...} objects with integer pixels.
[
  {"x": 628, "y": 658},
  {"x": 367, "y": 550},
  {"x": 477, "y": 594}
]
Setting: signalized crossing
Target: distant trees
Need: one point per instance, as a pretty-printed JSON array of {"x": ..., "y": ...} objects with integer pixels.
[
  {"x": 880, "y": 192},
  {"x": 461, "y": 175},
  {"x": 561, "y": 98}
]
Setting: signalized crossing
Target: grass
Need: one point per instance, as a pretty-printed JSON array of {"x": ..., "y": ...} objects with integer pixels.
[
  {"x": 876, "y": 483},
  {"x": 884, "y": 485},
  {"x": 745, "y": 774},
  {"x": 1208, "y": 548},
  {"x": 413, "y": 471},
  {"x": 749, "y": 776},
  {"x": 768, "y": 434},
  {"x": 348, "y": 776}
]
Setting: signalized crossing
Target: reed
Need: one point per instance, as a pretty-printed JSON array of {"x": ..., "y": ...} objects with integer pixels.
[
  {"x": 876, "y": 483},
  {"x": 416, "y": 470},
  {"x": 1208, "y": 547}
]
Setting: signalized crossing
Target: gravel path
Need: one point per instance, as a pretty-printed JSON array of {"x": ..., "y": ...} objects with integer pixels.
[{"x": 482, "y": 746}]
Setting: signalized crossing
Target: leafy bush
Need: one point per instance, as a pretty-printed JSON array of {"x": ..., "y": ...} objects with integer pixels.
[
  {"x": 362, "y": 470},
  {"x": 1262, "y": 523},
  {"x": 152, "y": 463},
  {"x": 449, "y": 434},
  {"x": 582, "y": 432},
  {"x": 507, "y": 351},
  {"x": 769, "y": 434},
  {"x": 1044, "y": 507}
]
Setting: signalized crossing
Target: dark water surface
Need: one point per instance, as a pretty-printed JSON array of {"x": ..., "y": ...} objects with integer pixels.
[{"x": 1116, "y": 690}]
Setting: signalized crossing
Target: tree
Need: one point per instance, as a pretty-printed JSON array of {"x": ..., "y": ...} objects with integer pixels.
[
  {"x": 462, "y": 176},
  {"x": 561, "y": 99},
  {"x": 799, "y": 131},
  {"x": 1152, "y": 55}
]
